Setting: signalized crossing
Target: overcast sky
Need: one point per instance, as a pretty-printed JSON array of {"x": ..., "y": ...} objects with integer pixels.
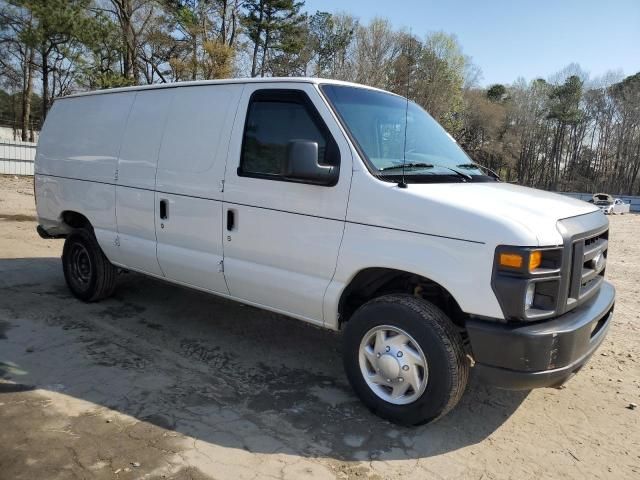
[{"x": 528, "y": 38}]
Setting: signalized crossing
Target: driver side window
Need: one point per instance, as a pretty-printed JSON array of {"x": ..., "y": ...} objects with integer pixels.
[{"x": 274, "y": 119}]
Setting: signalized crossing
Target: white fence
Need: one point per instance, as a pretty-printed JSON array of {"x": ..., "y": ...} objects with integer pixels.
[{"x": 16, "y": 158}]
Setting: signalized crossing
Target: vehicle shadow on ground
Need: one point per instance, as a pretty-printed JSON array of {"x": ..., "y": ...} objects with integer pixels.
[{"x": 211, "y": 369}]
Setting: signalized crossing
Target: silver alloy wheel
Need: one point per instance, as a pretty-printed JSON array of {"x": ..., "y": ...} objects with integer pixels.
[{"x": 393, "y": 365}]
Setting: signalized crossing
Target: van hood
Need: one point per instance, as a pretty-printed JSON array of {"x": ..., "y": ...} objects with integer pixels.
[
  {"x": 492, "y": 213},
  {"x": 534, "y": 210}
]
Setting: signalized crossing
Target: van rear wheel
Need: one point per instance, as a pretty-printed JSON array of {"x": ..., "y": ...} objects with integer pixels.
[
  {"x": 88, "y": 273},
  {"x": 405, "y": 359}
]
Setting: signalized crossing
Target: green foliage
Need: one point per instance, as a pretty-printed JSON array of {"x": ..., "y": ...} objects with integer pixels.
[
  {"x": 441, "y": 68},
  {"x": 99, "y": 68},
  {"x": 565, "y": 101},
  {"x": 330, "y": 37},
  {"x": 496, "y": 92},
  {"x": 56, "y": 22},
  {"x": 199, "y": 50},
  {"x": 626, "y": 95},
  {"x": 277, "y": 31},
  {"x": 11, "y": 110}
]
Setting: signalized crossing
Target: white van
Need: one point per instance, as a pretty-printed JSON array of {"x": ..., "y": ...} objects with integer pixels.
[{"x": 310, "y": 198}]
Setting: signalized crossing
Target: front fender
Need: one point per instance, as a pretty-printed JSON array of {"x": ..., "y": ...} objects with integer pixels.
[{"x": 462, "y": 267}]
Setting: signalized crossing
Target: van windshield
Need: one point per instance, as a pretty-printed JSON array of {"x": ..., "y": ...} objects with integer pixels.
[{"x": 376, "y": 122}]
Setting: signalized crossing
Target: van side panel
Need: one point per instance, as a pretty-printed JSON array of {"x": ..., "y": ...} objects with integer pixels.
[
  {"x": 137, "y": 163},
  {"x": 76, "y": 163},
  {"x": 94, "y": 200},
  {"x": 196, "y": 139},
  {"x": 141, "y": 141},
  {"x": 282, "y": 260},
  {"x": 189, "y": 180},
  {"x": 136, "y": 230},
  {"x": 189, "y": 245},
  {"x": 82, "y": 135}
]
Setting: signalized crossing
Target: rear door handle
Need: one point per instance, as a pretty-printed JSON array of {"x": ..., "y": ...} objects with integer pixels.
[
  {"x": 164, "y": 209},
  {"x": 231, "y": 220}
]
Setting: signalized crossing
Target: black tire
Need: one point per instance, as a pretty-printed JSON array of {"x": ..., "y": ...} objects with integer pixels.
[
  {"x": 88, "y": 273},
  {"x": 440, "y": 341}
]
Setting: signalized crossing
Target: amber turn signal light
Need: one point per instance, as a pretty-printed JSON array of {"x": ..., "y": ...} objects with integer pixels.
[
  {"x": 513, "y": 260},
  {"x": 517, "y": 260}
]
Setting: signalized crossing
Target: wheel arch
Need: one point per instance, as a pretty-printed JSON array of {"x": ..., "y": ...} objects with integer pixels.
[
  {"x": 73, "y": 220},
  {"x": 372, "y": 282}
]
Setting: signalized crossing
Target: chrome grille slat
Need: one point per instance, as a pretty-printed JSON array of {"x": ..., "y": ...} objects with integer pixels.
[
  {"x": 591, "y": 250},
  {"x": 587, "y": 271},
  {"x": 589, "y": 274}
]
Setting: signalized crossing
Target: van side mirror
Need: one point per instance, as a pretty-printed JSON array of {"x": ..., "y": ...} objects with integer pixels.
[{"x": 302, "y": 164}]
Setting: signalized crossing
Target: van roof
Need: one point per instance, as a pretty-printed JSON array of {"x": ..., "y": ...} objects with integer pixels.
[{"x": 156, "y": 86}]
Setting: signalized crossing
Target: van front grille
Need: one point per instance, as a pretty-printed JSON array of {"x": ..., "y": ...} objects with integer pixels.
[
  {"x": 588, "y": 266},
  {"x": 584, "y": 258}
]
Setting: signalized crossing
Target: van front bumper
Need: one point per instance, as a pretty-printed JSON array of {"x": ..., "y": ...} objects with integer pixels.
[{"x": 522, "y": 356}]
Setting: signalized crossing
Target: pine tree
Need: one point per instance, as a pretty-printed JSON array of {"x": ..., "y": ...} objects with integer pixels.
[
  {"x": 55, "y": 24},
  {"x": 276, "y": 29}
]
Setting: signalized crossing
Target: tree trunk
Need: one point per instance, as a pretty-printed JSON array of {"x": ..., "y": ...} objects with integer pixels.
[
  {"x": 256, "y": 41},
  {"x": 265, "y": 47},
  {"x": 14, "y": 105},
  {"x": 556, "y": 176},
  {"x": 27, "y": 91},
  {"x": 234, "y": 18},
  {"x": 223, "y": 22},
  {"x": 194, "y": 58},
  {"x": 125, "y": 14},
  {"x": 635, "y": 170},
  {"x": 45, "y": 81},
  {"x": 254, "y": 61}
]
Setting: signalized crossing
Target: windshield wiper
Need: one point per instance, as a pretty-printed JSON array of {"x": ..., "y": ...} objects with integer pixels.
[
  {"x": 480, "y": 167},
  {"x": 426, "y": 165},
  {"x": 406, "y": 165},
  {"x": 457, "y": 172}
]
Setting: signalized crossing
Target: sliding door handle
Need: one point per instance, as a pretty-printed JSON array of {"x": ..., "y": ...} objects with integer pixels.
[
  {"x": 231, "y": 220},
  {"x": 164, "y": 209}
]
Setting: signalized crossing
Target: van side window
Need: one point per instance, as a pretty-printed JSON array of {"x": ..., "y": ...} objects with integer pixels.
[{"x": 275, "y": 118}]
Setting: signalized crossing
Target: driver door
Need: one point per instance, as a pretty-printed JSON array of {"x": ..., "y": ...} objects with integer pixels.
[{"x": 281, "y": 237}]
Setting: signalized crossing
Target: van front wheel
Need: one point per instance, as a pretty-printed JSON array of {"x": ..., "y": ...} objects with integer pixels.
[
  {"x": 88, "y": 273},
  {"x": 405, "y": 359}
]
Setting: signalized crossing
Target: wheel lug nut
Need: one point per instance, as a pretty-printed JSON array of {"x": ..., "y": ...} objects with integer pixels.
[
  {"x": 405, "y": 367},
  {"x": 378, "y": 355},
  {"x": 399, "y": 354},
  {"x": 400, "y": 379},
  {"x": 389, "y": 380},
  {"x": 388, "y": 348}
]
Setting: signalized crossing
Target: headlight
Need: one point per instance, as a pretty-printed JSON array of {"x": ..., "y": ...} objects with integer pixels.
[{"x": 526, "y": 281}]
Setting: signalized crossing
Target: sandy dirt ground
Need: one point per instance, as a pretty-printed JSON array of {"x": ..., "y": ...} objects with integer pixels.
[{"x": 162, "y": 382}]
